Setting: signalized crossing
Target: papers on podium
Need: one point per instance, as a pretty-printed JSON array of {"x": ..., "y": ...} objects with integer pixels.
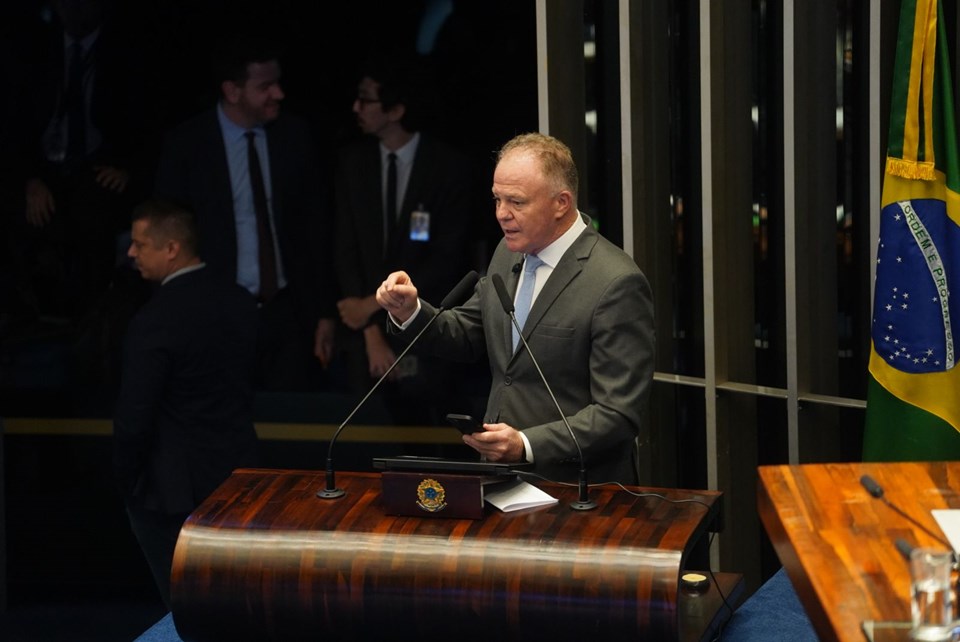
[
  {"x": 948, "y": 519},
  {"x": 516, "y": 495}
]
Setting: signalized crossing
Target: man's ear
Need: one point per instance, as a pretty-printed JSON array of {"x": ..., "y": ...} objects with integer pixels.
[
  {"x": 172, "y": 248},
  {"x": 396, "y": 113},
  {"x": 564, "y": 202},
  {"x": 231, "y": 91}
]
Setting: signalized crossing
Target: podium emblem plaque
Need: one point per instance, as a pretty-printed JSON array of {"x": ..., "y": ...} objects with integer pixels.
[{"x": 431, "y": 496}]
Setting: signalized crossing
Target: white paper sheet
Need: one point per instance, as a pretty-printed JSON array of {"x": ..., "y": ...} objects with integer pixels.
[
  {"x": 949, "y": 521},
  {"x": 515, "y": 495}
]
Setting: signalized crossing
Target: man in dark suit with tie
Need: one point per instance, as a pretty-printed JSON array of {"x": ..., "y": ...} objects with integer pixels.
[
  {"x": 402, "y": 199},
  {"x": 252, "y": 175},
  {"x": 78, "y": 132},
  {"x": 184, "y": 417},
  {"x": 590, "y": 325}
]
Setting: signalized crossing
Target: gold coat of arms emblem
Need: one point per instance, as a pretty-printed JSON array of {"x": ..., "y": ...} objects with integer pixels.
[{"x": 431, "y": 496}]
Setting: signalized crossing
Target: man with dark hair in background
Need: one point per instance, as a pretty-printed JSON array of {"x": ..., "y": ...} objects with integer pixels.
[
  {"x": 251, "y": 174},
  {"x": 79, "y": 124},
  {"x": 184, "y": 418},
  {"x": 402, "y": 199}
]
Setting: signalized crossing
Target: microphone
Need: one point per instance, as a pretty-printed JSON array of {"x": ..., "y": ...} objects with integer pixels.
[
  {"x": 516, "y": 268},
  {"x": 583, "y": 501},
  {"x": 872, "y": 487},
  {"x": 457, "y": 295},
  {"x": 903, "y": 547}
]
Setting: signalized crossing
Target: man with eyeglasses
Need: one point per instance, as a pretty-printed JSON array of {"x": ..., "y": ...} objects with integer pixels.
[{"x": 402, "y": 198}]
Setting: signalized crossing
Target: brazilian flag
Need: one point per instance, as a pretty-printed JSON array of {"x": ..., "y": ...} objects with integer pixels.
[{"x": 913, "y": 396}]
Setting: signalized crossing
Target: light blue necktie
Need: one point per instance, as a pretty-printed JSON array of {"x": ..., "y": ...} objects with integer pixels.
[{"x": 525, "y": 295}]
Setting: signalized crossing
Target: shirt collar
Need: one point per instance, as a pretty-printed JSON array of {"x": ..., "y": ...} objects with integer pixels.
[
  {"x": 552, "y": 254},
  {"x": 182, "y": 271},
  {"x": 85, "y": 43},
  {"x": 233, "y": 131},
  {"x": 404, "y": 154}
]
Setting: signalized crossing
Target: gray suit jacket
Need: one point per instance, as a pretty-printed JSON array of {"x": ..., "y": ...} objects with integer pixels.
[{"x": 591, "y": 330}]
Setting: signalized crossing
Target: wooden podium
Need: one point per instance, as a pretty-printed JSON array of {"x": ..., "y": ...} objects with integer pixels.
[{"x": 264, "y": 559}]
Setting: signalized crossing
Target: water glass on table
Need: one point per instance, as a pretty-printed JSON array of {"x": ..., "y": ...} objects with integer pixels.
[{"x": 932, "y": 595}]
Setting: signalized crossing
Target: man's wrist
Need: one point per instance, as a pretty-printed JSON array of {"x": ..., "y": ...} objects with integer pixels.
[
  {"x": 405, "y": 324},
  {"x": 527, "y": 454}
]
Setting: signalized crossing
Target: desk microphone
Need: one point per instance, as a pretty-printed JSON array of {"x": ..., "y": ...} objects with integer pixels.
[
  {"x": 903, "y": 547},
  {"x": 583, "y": 502},
  {"x": 457, "y": 295},
  {"x": 872, "y": 487}
]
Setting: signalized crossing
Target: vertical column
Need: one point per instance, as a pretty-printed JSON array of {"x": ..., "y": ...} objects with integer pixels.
[
  {"x": 727, "y": 159},
  {"x": 560, "y": 77},
  {"x": 648, "y": 229},
  {"x": 811, "y": 276}
]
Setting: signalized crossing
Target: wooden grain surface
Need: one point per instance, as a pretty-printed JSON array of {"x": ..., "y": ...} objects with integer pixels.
[
  {"x": 836, "y": 541},
  {"x": 263, "y": 558}
]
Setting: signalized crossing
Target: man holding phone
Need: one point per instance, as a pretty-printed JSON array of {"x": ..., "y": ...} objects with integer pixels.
[
  {"x": 465, "y": 423},
  {"x": 590, "y": 325}
]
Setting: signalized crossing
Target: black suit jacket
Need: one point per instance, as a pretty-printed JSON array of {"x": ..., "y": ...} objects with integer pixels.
[
  {"x": 193, "y": 170},
  {"x": 439, "y": 184},
  {"x": 184, "y": 418},
  {"x": 116, "y": 105}
]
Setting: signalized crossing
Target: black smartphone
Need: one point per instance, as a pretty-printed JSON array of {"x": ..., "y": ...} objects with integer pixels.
[{"x": 465, "y": 423}]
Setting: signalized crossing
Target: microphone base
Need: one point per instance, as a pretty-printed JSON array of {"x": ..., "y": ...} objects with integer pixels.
[
  {"x": 330, "y": 493},
  {"x": 587, "y": 504}
]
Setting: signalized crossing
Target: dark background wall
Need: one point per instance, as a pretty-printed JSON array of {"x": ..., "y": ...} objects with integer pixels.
[{"x": 66, "y": 534}]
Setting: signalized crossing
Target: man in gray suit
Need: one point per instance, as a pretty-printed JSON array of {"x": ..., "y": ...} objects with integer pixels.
[{"x": 590, "y": 325}]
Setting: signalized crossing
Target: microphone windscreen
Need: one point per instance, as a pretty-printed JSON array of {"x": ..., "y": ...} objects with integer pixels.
[
  {"x": 502, "y": 293},
  {"x": 871, "y": 485},
  {"x": 904, "y": 547},
  {"x": 461, "y": 291}
]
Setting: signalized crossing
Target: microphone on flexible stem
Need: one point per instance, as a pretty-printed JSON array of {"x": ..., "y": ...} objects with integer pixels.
[
  {"x": 903, "y": 547},
  {"x": 583, "y": 501},
  {"x": 459, "y": 293},
  {"x": 872, "y": 487}
]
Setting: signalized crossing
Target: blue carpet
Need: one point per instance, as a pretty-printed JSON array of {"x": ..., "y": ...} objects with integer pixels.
[
  {"x": 78, "y": 620},
  {"x": 162, "y": 631},
  {"x": 772, "y": 613}
]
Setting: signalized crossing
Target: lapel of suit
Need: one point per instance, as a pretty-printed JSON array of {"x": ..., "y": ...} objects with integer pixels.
[
  {"x": 52, "y": 85},
  {"x": 214, "y": 160},
  {"x": 412, "y": 198},
  {"x": 570, "y": 265},
  {"x": 276, "y": 156},
  {"x": 512, "y": 280},
  {"x": 366, "y": 197}
]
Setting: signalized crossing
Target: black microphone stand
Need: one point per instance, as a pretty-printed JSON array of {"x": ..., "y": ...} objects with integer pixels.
[
  {"x": 583, "y": 501},
  {"x": 330, "y": 491},
  {"x": 875, "y": 490}
]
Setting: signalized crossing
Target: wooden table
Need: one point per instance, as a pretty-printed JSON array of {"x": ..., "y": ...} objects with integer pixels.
[
  {"x": 836, "y": 541},
  {"x": 264, "y": 558}
]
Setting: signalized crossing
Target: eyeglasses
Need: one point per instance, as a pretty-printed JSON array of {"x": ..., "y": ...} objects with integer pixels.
[{"x": 363, "y": 100}]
